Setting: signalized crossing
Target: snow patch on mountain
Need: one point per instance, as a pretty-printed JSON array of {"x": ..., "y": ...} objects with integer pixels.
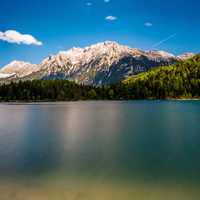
[{"x": 4, "y": 76}]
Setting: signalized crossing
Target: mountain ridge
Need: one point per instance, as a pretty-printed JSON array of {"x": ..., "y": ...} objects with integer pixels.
[{"x": 99, "y": 64}]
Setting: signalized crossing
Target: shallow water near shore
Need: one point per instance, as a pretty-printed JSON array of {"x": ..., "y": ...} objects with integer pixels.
[{"x": 100, "y": 150}]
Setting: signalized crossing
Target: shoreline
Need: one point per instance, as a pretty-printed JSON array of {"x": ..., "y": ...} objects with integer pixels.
[{"x": 103, "y": 100}]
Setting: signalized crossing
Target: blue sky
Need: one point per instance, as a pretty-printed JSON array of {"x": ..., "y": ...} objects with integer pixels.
[{"x": 54, "y": 25}]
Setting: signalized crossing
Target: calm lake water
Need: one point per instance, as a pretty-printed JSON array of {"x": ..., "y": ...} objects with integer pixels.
[{"x": 136, "y": 150}]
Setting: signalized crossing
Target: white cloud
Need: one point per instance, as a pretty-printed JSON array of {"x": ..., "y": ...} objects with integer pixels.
[
  {"x": 106, "y": 1},
  {"x": 13, "y": 36},
  {"x": 148, "y": 24},
  {"x": 110, "y": 18},
  {"x": 88, "y": 4}
]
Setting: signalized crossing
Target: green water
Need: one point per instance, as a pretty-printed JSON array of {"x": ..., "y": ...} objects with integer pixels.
[{"x": 100, "y": 151}]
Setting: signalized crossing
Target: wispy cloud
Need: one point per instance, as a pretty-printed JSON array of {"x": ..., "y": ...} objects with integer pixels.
[
  {"x": 13, "y": 36},
  {"x": 111, "y": 18},
  {"x": 148, "y": 24},
  {"x": 164, "y": 40}
]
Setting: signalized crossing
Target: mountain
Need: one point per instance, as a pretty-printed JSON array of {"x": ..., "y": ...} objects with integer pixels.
[
  {"x": 180, "y": 80},
  {"x": 17, "y": 69},
  {"x": 186, "y": 56},
  {"x": 6, "y": 76},
  {"x": 100, "y": 64}
]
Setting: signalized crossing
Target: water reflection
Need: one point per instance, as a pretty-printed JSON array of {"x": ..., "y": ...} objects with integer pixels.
[{"x": 109, "y": 139}]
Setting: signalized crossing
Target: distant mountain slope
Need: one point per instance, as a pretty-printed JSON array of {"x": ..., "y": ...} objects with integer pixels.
[
  {"x": 100, "y": 64},
  {"x": 179, "y": 80},
  {"x": 19, "y": 69}
]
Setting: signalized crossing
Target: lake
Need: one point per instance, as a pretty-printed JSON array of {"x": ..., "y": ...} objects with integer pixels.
[{"x": 103, "y": 150}]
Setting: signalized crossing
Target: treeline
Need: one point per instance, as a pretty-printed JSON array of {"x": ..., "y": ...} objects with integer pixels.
[
  {"x": 181, "y": 80},
  {"x": 52, "y": 90}
]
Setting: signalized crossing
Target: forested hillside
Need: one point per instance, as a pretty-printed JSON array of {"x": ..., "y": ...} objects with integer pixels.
[{"x": 181, "y": 80}]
